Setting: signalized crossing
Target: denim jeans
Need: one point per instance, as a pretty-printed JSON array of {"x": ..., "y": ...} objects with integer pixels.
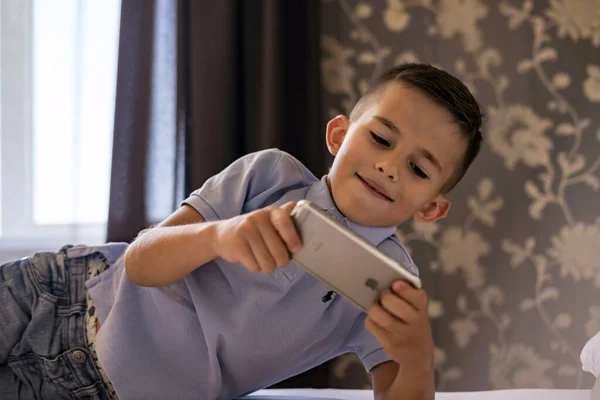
[{"x": 43, "y": 343}]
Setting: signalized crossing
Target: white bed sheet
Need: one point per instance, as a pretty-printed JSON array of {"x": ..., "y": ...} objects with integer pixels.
[{"x": 334, "y": 394}]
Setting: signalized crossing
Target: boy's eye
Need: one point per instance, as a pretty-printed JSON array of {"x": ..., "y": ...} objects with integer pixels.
[
  {"x": 418, "y": 171},
  {"x": 378, "y": 139}
]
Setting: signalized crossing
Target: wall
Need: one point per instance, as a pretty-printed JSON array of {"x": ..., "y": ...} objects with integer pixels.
[{"x": 513, "y": 273}]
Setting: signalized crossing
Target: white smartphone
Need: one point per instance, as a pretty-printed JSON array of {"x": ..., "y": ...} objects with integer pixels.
[{"x": 342, "y": 259}]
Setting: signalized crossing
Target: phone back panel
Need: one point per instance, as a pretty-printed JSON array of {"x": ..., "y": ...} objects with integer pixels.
[{"x": 343, "y": 260}]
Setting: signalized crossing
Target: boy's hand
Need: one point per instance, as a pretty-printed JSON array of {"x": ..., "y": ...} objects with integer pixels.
[
  {"x": 401, "y": 324},
  {"x": 261, "y": 240}
]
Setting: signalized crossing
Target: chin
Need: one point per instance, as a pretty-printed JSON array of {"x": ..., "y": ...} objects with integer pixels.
[
  {"x": 363, "y": 214},
  {"x": 359, "y": 218},
  {"x": 359, "y": 207}
]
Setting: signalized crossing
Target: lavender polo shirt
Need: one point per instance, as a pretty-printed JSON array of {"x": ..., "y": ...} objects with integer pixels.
[{"x": 222, "y": 331}]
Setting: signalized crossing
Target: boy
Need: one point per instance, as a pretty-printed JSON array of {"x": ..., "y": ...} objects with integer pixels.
[{"x": 206, "y": 306}]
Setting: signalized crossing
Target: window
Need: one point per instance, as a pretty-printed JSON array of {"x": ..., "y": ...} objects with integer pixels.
[{"x": 58, "y": 67}]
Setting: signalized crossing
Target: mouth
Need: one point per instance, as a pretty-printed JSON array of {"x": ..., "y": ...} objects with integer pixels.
[{"x": 375, "y": 189}]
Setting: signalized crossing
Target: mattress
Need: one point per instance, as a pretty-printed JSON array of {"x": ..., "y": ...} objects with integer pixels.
[{"x": 333, "y": 394}]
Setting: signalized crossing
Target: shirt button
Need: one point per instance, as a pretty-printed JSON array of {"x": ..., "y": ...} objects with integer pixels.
[
  {"x": 78, "y": 357},
  {"x": 335, "y": 216}
]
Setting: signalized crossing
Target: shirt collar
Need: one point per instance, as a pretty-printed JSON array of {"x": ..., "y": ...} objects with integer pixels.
[{"x": 319, "y": 194}]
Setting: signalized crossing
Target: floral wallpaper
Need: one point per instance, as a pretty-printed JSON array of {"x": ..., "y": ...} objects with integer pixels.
[{"x": 514, "y": 272}]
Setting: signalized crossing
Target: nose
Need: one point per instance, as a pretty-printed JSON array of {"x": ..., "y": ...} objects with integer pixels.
[{"x": 390, "y": 170}]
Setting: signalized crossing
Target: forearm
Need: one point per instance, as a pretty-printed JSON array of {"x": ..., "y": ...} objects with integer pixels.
[
  {"x": 412, "y": 384},
  {"x": 163, "y": 255}
]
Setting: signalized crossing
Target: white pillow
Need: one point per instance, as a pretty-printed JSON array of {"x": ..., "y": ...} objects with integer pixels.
[{"x": 590, "y": 355}]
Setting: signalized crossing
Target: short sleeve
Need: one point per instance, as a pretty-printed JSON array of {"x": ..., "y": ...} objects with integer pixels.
[
  {"x": 247, "y": 183},
  {"x": 394, "y": 249},
  {"x": 364, "y": 345}
]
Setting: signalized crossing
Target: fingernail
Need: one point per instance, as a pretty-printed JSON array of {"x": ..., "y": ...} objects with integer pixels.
[{"x": 400, "y": 285}]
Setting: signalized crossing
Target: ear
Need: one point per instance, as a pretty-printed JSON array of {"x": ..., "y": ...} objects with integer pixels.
[
  {"x": 337, "y": 128},
  {"x": 436, "y": 209}
]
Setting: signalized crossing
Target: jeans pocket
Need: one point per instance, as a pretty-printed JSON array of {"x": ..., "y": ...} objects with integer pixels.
[
  {"x": 93, "y": 392},
  {"x": 35, "y": 377},
  {"x": 73, "y": 372}
]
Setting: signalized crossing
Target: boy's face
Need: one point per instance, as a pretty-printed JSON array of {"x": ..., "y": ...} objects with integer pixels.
[{"x": 393, "y": 161}]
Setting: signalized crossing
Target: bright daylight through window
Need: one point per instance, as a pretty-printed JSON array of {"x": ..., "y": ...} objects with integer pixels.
[{"x": 58, "y": 67}]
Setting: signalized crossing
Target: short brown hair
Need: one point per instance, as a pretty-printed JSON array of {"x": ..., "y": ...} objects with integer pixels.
[{"x": 445, "y": 90}]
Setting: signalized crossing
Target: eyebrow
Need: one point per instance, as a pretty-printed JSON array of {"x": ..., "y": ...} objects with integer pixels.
[
  {"x": 432, "y": 159},
  {"x": 387, "y": 123},
  {"x": 427, "y": 154}
]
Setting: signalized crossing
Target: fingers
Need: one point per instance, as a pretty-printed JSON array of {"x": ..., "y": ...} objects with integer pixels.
[
  {"x": 272, "y": 236},
  {"x": 283, "y": 223},
  {"x": 397, "y": 307},
  {"x": 382, "y": 318},
  {"x": 288, "y": 207},
  {"x": 263, "y": 240},
  {"x": 247, "y": 258},
  {"x": 275, "y": 246},
  {"x": 416, "y": 298},
  {"x": 376, "y": 330},
  {"x": 260, "y": 250}
]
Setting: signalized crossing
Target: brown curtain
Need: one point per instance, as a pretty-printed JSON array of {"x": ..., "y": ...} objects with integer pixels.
[{"x": 201, "y": 83}]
